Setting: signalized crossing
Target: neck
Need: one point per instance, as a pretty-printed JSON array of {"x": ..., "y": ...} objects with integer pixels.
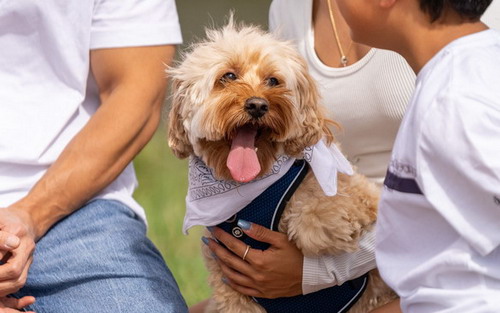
[
  {"x": 324, "y": 36},
  {"x": 421, "y": 40}
]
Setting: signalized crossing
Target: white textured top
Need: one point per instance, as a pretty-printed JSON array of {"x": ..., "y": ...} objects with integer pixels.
[
  {"x": 369, "y": 99},
  {"x": 439, "y": 249},
  {"x": 47, "y": 94}
]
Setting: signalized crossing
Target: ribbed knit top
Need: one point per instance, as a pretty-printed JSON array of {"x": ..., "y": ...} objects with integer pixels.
[{"x": 368, "y": 98}]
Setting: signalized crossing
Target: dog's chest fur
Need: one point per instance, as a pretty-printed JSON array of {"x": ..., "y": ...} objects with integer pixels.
[{"x": 320, "y": 224}]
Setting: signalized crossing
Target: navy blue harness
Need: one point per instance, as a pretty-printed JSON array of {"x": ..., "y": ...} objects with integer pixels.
[{"x": 266, "y": 210}]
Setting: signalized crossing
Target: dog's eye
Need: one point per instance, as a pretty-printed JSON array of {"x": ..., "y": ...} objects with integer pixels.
[
  {"x": 273, "y": 81},
  {"x": 229, "y": 76}
]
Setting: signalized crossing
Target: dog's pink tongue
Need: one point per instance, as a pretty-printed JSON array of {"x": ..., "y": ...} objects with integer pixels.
[{"x": 242, "y": 160}]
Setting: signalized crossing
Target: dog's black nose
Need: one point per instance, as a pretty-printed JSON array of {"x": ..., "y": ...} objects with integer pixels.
[{"x": 256, "y": 106}]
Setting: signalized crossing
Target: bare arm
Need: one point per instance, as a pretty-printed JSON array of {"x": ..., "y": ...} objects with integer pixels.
[{"x": 132, "y": 86}]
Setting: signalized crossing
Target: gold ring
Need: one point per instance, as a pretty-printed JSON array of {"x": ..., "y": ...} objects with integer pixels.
[{"x": 246, "y": 252}]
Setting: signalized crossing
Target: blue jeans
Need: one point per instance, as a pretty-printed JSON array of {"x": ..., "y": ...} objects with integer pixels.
[{"x": 99, "y": 259}]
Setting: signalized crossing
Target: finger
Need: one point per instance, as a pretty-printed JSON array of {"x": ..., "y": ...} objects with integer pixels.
[
  {"x": 11, "y": 270},
  {"x": 236, "y": 246},
  {"x": 5, "y": 310},
  {"x": 25, "y": 301},
  {"x": 263, "y": 234},
  {"x": 17, "y": 303},
  {"x": 235, "y": 276},
  {"x": 5, "y": 255},
  {"x": 243, "y": 290},
  {"x": 17, "y": 282},
  {"x": 8, "y": 241},
  {"x": 228, "y": 258},
  {"x": 20, "y": 258}
]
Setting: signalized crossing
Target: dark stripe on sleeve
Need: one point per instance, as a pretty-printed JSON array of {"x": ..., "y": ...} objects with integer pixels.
[{"x": 406, "y": 185}]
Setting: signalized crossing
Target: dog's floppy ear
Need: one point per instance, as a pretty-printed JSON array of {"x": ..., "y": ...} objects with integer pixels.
[
  {"x": 177, "y": 137},
  {"x": 314, "y": 123}
]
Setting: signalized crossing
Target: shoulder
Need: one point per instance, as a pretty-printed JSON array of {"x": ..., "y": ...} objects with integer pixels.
[
  {"x": 288, "y": 18},
  {"x": 464, "y": 73},
  {"x": 460, "y": 101},
  {"x": 462, "y": 96},
  {"x": 129, "y": 23},
  {"x": 287, "y": 7},
  {"x": 473, "y": 85},
  {"x": 473, "y": 59}
]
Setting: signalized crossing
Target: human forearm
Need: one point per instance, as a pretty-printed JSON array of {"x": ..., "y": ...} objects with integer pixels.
[
  {"x": 91, "y": 161},
  {"x": 132, "y": 89}
]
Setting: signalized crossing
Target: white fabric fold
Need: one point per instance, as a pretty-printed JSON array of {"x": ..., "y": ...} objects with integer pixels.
[{"x": 211, "y": 201}]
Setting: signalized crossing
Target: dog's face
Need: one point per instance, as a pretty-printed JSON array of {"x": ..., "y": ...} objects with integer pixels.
[{"x": 240, "y": 99}]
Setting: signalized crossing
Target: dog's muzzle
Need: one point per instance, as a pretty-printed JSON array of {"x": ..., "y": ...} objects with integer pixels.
[{"x": 256, "y": 107}]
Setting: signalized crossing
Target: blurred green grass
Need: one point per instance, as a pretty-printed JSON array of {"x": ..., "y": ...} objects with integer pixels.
[
  {"x": 163, "y": 178},
  {"x": 162, "y": 191}
]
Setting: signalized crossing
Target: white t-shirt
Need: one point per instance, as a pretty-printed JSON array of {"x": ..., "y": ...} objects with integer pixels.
[
  {"x": 438, "y": 230},
  {"x": 47, "y": 94},
  {"x": 492, "y": 15},
  {"x": 369, "y": 99}
]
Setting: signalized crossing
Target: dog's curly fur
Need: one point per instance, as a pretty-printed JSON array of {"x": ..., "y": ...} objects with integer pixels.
[{"x": 208, "y": 108}]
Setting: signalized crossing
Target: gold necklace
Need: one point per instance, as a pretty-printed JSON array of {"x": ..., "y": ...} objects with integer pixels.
[{"x": 343, "y": 56}]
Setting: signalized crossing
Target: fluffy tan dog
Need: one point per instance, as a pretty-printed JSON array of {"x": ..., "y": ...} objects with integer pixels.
[{"x": 242, "y": 98}]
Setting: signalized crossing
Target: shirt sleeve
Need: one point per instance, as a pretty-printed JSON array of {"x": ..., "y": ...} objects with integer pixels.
[
  {"x": 458, "y": 161},
  {"x": 128, "y": 23},
  {"x": 326, "y": 271}
]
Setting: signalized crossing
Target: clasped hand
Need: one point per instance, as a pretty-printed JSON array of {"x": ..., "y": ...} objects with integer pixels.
[
  {"x": 17, "y": 244},
  {"x": 272, "y": 273}
]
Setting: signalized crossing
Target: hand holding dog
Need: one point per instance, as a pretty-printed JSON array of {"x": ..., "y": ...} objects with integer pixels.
[
  {"x": 272, "y": 273},
  {"x": 17, "y": 244}
]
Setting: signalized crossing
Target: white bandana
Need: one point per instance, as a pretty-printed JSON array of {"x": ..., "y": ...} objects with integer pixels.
[{"x": 210, "y": 202}]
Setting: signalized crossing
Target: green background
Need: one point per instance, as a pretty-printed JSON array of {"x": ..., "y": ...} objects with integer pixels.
[{"x": 163, "y": 178}]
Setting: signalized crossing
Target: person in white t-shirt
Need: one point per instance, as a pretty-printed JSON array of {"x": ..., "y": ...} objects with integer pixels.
[
  {"x": 368, "y": 97},
  {"x": 438, "y": 238},
  {"x": 82, "y": 87}
]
